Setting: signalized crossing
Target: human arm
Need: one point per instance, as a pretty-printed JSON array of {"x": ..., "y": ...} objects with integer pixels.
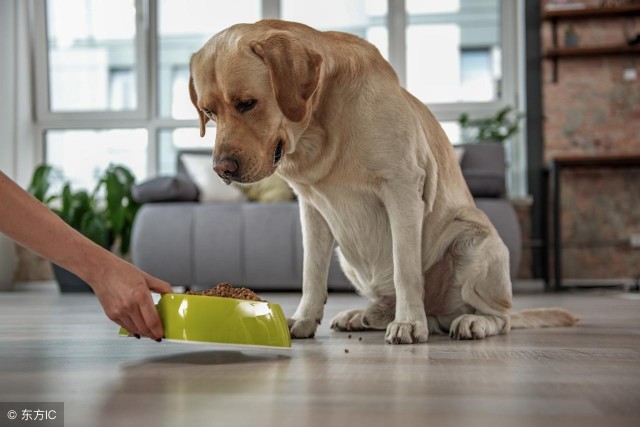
[{"x": 121, "y": 288}]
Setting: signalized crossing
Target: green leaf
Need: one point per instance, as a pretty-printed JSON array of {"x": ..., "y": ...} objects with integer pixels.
[
  {"x": 81, "y": 205},
  {"x": 82, "y": 210},
  {"x": 65, "y": 207},
  {"x": 124, "y": 175},
  {"x": 95, "y": 228},
  {"x": 116, "y": 192},
  {"x": 499, "y": 128},
  {"x": 41, "y": 182}
]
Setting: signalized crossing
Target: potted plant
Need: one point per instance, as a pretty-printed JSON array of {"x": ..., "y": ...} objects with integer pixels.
[
  {"x": 570, "y": 36},
  {"x": 105, "y": 215},
  {"x": 498, "y": 128}
]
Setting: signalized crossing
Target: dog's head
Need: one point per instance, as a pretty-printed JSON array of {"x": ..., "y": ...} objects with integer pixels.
[{"x": 256, "y": 84}]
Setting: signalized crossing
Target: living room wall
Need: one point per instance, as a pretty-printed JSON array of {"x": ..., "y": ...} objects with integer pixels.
[
  {"x": 593, "y": 109},
  {"x": 7, "y": 116},
  {"x": 18, "y": 151}
]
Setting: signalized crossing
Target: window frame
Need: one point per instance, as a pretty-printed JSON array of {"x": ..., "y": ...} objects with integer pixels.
[{"x": 146, "y": 115}]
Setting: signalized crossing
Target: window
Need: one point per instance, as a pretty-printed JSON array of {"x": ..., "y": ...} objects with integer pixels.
[
  {"x": 450, "y": 48},
  {"x": 172, "y": 141},
  {"x": 91, "y": 55},
  {"x": 103, "y": 95},
  {"x": 83, "y": 154},
  {"x": 182, "y": 31},
  {"x": 364, "y": 18},
  {"x": 478, "y": 75},
  {"x": 122, "y": 88}
]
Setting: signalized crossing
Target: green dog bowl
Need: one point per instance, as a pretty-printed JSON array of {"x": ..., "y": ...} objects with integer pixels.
[{"x": 206, "y": 319}]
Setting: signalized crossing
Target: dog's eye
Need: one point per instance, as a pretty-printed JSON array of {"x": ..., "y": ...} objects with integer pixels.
[{"x": 244, "y": 106}]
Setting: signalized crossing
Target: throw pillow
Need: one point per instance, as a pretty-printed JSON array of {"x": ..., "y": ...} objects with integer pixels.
[
  {"x": 271, "y": 189},
  {"x": 211, "y": 187},
  {"x": 165, "y": 189}
]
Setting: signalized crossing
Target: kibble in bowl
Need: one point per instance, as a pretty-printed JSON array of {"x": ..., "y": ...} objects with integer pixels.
[
  {"x": 225, "y": 315},
  {"x": 225, "y": 290}
]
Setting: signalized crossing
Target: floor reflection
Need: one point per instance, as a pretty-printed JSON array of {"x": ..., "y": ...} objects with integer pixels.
[
  {"x": 210, "y": 357},
  {"x": 190, "y": 387}
]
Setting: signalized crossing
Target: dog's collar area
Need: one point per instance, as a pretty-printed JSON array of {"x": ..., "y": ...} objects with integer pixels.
[{"x": 277, "y": 153}]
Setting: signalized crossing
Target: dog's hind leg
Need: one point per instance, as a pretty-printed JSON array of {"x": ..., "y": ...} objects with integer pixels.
[{"x": 482, "y": 275}]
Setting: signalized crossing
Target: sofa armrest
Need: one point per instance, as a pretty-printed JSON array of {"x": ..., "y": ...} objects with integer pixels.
[
  {"x": 483, "y": 168},
  {"x": 503, "y": 216}
]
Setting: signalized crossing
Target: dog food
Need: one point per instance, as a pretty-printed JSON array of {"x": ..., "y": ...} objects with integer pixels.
[{"x": 225, "y": 290}]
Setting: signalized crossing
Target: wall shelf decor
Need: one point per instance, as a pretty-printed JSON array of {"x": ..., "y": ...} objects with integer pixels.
[{"x": 557, "y": 52}]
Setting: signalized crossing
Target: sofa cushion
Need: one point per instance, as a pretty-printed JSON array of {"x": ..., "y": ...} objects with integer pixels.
[{"x": 165, "y": 189}]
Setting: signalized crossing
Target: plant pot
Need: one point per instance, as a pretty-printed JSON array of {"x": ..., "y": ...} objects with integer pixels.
[
  {"x": 571, "y": 40},
  {"x": 69, "y": 282}
]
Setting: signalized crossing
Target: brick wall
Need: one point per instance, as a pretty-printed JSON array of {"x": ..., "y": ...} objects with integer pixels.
[{"x": 592, "y": 110}]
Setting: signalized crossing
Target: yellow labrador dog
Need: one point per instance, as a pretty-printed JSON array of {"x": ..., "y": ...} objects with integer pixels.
[{"x": 373, "y": 171}]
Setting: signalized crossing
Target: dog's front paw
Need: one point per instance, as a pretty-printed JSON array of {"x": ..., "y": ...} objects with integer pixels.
[
  {"x": 302, "y": 328},
  {"x": 406, "y": 333}
]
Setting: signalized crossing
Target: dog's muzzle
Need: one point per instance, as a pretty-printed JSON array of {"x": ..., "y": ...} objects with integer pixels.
[{"x": 227, "y": 169}]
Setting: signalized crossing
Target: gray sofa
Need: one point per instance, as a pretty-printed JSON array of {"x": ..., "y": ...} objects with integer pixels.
[{"x": 259, "y": 245}]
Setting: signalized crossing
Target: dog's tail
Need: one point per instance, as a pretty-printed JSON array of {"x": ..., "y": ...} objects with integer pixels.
[{"x": 542, "y": 318}]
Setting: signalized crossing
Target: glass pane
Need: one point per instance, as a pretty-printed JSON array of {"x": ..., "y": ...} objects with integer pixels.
[
  {"x": 172, "y": 141},
  {"x": 364, "y": 18},
  {"x": 453, "y": 50},
  {"x": 182, "y": 30},
  {"x": 92, "y": 55},
  {"x": 82, "y": 155},
  {"x": 418, "y": 7},
  {"x": 452, "y": 129}
]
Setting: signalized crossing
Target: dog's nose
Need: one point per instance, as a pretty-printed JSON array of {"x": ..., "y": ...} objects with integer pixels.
[{"x": 226, "y": 168}]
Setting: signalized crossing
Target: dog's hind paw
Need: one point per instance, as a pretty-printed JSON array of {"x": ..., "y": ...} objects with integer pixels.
[
  {"x": 302, "y": 328},
  {"x": 406, "y": 333},
  {"x": 469, "y": 327},
  {"x": 350, "y": 320}
]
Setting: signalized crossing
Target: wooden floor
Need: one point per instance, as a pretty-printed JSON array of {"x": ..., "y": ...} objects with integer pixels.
[{"x": 62, "y": 348}]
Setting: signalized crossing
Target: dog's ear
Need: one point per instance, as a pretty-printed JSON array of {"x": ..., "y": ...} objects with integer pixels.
[
  {"x": 194, "y": 99},
  {"x": 295, "y": 72}
]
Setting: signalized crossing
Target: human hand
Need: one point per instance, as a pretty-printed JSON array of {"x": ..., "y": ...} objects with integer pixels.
[{"x": 123, "y": 292}]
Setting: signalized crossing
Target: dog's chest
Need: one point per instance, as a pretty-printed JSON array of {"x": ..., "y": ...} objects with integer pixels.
[{"x": 360, "y": 225}]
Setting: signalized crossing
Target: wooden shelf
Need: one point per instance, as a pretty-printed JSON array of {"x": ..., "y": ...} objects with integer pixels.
[
  {"x": 604, "y": 159},
  {"x": 569, "y": 162},
  {"x": 592, "y": 12},
  {"x": 564, "y": 52},
  {"x": 556, "y": 52}
]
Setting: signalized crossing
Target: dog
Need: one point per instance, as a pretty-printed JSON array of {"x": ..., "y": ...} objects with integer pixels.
[{"x": 373, "y": 171}]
